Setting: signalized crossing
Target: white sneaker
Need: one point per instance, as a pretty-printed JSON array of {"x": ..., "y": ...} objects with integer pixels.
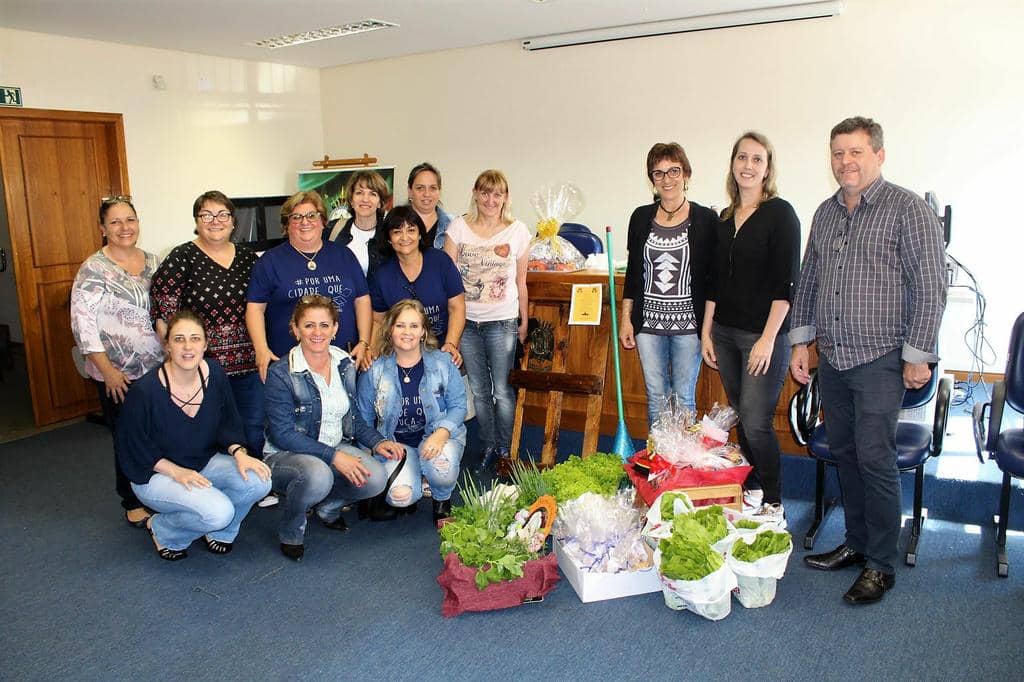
[
  {"x": 752, "y": 500},
  {"x": 426, "y": 488},
  {"x": 771, "y": 513},
  {"x": 270, "y": 500}
]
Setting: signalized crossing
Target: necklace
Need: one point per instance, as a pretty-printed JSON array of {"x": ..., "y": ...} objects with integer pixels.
[
  {"x": 405, "y": 374},
  {"x": 671, "y": 214},
  {"x": 310, "y": 260}
]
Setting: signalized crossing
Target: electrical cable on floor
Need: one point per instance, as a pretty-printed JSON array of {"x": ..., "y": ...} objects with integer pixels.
[{"x": 977, "y": 344}]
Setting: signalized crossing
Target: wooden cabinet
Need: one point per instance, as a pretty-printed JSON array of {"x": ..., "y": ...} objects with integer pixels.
[{"x": 548, "y": 289}]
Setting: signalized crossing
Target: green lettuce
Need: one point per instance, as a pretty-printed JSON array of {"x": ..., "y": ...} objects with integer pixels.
[{"x": 764, "y": 544}]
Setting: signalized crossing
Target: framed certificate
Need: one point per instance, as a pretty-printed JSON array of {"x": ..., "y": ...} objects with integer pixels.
[{"x": 585, "y": 304}]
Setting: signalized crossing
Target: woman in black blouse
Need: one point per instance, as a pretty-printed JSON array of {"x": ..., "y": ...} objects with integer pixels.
[
  {"x": 210, "y": 275},
  {"x": 746, "y": 318}
]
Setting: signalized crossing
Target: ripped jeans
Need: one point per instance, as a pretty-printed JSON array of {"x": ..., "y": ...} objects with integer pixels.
[{"x": 441, "y": 473}]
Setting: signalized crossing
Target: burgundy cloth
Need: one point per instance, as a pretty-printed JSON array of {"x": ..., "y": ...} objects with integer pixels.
[
  {"x": 458, "y": 582},
  {"x": 682, "y": 478}
]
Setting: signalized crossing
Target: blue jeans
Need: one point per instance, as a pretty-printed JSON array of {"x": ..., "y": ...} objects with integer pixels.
[
  {"x": 248, "y": 392},
  {"x": 307, "y": 480},
  {"x": 184, "y": 514},
  {"x": 488, "y": 349},
  {"x": 862, "y": 405},
  {"x": 754, "y": 399},
  {"x": 670, "y": 365},
  {"x": 442, "y": 473}
]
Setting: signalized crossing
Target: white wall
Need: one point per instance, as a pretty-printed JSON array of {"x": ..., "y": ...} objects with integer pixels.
[
  {"x": 238, "y": 126},
  {"x": 942, "y": 77}
]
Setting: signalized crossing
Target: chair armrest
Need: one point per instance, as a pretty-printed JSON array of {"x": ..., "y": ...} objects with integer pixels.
[
  {"x": 985, "y": 441},
  {"x": 978, "y": 424},
  {"x": 943, "y": 397}
]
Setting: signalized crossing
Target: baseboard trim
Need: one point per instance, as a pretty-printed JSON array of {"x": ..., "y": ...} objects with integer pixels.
[{"x": 987, "y": 377}]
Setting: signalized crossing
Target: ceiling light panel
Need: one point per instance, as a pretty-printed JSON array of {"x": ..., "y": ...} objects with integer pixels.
[{"x": 323, "y": 33}]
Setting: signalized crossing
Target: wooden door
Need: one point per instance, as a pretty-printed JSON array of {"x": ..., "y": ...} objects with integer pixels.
[{"x": 56, "y": 167}]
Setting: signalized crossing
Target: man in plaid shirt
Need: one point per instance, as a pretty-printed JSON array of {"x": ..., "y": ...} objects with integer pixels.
[{"x": 872, "y": 291}]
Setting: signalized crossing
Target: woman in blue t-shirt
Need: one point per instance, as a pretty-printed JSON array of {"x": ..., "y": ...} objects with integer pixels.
[
  {"x": 305, "y": 265},
  {"x": 176, "y": 423},
  {"x": 414, "y": 397},
  {"x": 412, "y": 269}
]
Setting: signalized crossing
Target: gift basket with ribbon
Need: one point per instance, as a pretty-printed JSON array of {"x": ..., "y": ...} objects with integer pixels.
[{"x": 555, "y": 204}]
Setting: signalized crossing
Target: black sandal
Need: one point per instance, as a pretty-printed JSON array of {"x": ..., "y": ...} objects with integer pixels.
[
  {"x": 217, "y": 546},
  {"x": 165, "y": 553},
  {"x": 141, "y": 523}
]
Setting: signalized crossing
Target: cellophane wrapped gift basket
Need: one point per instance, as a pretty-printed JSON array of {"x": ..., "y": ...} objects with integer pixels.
[{"x": 555, "y": 204}]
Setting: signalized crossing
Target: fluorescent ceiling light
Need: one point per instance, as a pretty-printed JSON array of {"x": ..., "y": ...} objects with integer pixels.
[
  {"x": 323, "y": 33},
  {"x": 813, "y": 10}
]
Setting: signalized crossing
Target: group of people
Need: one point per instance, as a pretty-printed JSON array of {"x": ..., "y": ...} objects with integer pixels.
[
  {"x": 387, "y": 308},
  {"x": 326, "y": 371},
  {"x": 730, "y": 289}
]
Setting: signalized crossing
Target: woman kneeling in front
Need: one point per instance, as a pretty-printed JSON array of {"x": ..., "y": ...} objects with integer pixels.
[
  {"x": 415, "y": 397},
  {"x": 175, "y": 422},
  {"x": 312, "y": 429}
]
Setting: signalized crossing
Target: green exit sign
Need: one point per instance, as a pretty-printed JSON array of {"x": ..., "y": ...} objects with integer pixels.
[{"x": 10, "y": 96}]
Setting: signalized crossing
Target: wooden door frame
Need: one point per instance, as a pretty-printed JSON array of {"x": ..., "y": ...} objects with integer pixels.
[{"x": 14, "y": 195}]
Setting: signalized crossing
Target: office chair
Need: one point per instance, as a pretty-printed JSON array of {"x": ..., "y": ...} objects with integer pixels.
[
  {"x": 1006, "y": 447},
  {"x": 915, "y": 445},
  {"x": 581, "y": 237}
]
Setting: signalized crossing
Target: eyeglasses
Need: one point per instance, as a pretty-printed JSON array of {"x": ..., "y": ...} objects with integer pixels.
[
  {"x": 411, "y": 290},
  {"x": 303, "y": 217},
  {"x": 116, "y": 199},
  {"x": 839, "y": 243},
  {"x": 673, "y": 172},
  {"x": 319, "y": 299},
  {"x": 220, "y": 216}
]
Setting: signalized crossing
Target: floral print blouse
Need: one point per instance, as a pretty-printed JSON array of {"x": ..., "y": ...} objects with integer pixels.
[{"x": 110, "y": 313}]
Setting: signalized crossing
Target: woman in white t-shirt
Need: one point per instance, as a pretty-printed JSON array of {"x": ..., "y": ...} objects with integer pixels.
[
  {"x": 491, "y": 248},
  {"x": 366, "y": 194}
]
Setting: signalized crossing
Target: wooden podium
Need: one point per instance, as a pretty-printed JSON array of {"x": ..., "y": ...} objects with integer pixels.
[{"x": 587, "y": 351}]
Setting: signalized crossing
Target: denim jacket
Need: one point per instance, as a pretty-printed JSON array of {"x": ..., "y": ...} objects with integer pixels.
[
  {"x": 442, "y": 392},
  {"x": 443, "y": 219},
  {"x": 293, "y": 408}
]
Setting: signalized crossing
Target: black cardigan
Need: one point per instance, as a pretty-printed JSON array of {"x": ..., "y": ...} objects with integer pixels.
[
  {"x": 374, "y": 247},
  {"x": 701, "y": 236}
]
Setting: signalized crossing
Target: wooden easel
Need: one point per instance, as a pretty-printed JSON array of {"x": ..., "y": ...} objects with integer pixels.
[{"x": 561, "y": 359}]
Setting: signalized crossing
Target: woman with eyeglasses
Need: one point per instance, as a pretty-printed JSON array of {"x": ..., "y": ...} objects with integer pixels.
[
  {"x": 314, "y": 430},
  {"x": 491, "y": 248},
  {"x": 670, "y": 245},
  {"x": 745, "y": 334},
  {"x": 425, "y": 198},
  {"x": 111, "y": 324},
  {"x": 415, "y": 401},
  {"x": 412, "y": 269},
  {"x": 366, "y": 194},
  {"x": 181, "y": 443},
  {"x": 306, "y": 264},
  {"x": 210, "y": 275}
]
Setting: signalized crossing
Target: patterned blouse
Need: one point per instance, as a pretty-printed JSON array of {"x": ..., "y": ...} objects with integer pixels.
[
  {"x": 110, "y": 313},
  {"x": 188, "y": 278}
]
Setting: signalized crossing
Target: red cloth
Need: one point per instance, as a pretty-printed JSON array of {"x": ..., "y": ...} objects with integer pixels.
[
  {"x": 458, "y": 582},
  {"x": 682, "y": 478}
]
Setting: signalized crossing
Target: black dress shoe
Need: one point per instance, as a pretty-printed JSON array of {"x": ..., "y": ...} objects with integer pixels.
[
  {"x": 293, "y": 552},
  {"x": 840, "y": 557},
  {"x": 337, "y": 524},
  {"x": 376, "y": 509},
  {"x": 870, "y": 586},
  {"x": 442, "y": 509}
]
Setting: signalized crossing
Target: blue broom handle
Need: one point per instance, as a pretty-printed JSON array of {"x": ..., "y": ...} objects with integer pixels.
[{"x": 615, "y": 322}]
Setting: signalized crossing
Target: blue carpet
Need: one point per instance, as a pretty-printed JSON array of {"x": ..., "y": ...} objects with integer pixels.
[{"x": 84, "y": 597}]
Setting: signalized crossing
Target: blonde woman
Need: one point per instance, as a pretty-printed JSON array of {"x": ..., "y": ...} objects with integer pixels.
[{"x": 491, "y": 250}]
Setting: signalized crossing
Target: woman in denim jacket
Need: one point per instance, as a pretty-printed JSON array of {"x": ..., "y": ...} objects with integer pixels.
[
  {"x": 312, "y": 428},
  {"x": 416, "y": 401}
]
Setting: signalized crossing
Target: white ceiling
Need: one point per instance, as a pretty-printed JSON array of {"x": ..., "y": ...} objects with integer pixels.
[{"x": 223, "y": 27}]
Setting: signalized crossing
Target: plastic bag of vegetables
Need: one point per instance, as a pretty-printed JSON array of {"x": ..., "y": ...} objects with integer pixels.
[
  {"x": 694, "y": 577},
  {"x": 759, "y": 561},
  {"x": 663, "y": 510}
]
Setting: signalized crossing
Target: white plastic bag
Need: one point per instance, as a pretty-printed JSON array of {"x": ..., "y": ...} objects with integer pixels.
[
  {"x": 756, "y": 581},
  {"x": 658, "y": 528},
  {"x": 708, "y": 597}
]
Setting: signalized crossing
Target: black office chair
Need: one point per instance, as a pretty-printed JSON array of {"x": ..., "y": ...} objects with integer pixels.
[
  {"x": 915, "y": 445},
  {"x": 1006, "y": 447},
  {"x": 581, "y": 237}
]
